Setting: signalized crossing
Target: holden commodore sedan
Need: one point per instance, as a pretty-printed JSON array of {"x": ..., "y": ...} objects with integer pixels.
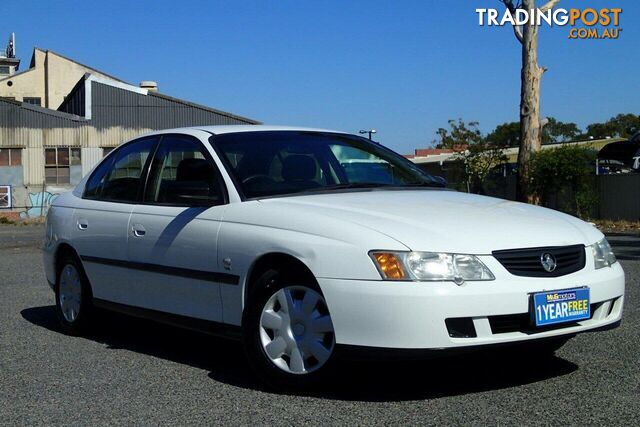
[{"x": 304, "y": 242}]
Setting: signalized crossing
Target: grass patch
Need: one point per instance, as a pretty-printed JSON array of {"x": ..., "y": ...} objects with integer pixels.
[
  {"x": 21, "y": 222},
  {"x": 620, "y": 226}
]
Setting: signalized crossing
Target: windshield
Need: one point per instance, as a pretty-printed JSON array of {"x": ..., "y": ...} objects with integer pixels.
[{"x": 272, "y": 163}]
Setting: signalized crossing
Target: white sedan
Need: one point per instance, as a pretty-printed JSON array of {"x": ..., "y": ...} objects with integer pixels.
[{"x": 304, "y": 242}]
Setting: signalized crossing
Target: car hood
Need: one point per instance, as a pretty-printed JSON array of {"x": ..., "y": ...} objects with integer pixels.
[{"x": 445, "y": 221}]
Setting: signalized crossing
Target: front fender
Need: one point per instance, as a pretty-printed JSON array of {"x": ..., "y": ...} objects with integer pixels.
[{"x": 334, "y": 249}]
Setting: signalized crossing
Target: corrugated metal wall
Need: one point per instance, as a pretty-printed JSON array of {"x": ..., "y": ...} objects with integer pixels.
[
  {"x": 90, "y": 157},
  {"x": 15, "y": 116},
  {"x": 118, "y": 115},
  {"x": 74, "y": 102},
  {"x": 33, "y": 164},
  {"x": 115, "y": 107},
  {"x": 619, "y": 197},
  {"x": 34, "y": 128}
]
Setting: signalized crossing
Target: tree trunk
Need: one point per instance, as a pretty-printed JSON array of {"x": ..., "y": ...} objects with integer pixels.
[{"x": 530, "y": 129}]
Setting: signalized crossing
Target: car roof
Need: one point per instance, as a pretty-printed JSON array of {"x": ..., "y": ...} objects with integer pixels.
[
  {"x": 623, "y": 151},
  {"x": 222, "y": 129}
]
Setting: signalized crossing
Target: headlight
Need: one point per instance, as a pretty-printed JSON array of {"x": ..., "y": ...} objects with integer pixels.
[
  {"x": 457, "y": 268},
  {"x": 603, "y": 255}
]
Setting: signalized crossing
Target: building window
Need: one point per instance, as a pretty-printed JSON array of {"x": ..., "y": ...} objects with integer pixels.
[
  {"x": 5, "y": 197},
  {"x": 4, "y": 70},
  {"x": 106, "y": 150},
  {"x": 32, "y": 100},
  {"x": 10, "y": 156},
  {"x": 57, "y": 162}
]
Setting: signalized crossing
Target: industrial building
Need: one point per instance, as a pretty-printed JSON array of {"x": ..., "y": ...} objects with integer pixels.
[{"x": 58, "y": 118}]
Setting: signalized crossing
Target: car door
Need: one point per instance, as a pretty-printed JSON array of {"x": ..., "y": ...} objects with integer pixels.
[
  {"x": 172, "y": 235},
  {"x": 101, "y": 219}
]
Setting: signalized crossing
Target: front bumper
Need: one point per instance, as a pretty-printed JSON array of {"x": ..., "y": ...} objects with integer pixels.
[{"x": 412, "y": 315}]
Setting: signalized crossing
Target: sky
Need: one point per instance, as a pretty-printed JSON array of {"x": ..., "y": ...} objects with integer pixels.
[{"x": 401, "y": 67}]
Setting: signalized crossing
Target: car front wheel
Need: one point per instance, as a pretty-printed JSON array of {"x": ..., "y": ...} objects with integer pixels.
[{"x": 289, "y": 336}]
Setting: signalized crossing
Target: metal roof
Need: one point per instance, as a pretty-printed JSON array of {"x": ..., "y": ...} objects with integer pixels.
[
  {"x": 107, "y": 103},
  {"x": 512, "y": 153},
  {"x": 14, "y": 114}
]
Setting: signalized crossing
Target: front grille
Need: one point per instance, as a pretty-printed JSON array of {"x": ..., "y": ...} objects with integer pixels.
[{"x": 527, "y": 262}]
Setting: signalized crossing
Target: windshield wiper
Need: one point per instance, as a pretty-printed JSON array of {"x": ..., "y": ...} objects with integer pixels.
[
  {"x": 354, "y": 185},
  {"x": 347, "y": 186},
  {"x": 378, "y": 185},
  {"x": 424, "y": 184}
]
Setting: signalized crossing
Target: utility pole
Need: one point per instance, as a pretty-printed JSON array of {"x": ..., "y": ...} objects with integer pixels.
[{"x": 370, "y": 132}]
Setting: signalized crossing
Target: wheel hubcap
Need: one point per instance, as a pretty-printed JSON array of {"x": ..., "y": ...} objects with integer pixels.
[
  {"x": 296, "y": 330},
  {"x": 70, "y": 293}
]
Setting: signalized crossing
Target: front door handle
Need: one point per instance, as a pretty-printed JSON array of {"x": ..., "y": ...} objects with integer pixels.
[
  {"x": 83, "y": 224},
  {"x": 138, "y": 230}
]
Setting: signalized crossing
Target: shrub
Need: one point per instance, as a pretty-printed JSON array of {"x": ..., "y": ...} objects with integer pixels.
[{"x": 566, "y": 175}]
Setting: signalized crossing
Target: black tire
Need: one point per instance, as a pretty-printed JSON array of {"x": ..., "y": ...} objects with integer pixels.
[
  {"x": 272, "y": 376},
  {"x": 81, "y": 323}
]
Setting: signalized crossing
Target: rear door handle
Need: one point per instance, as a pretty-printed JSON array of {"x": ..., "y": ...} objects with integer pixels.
[
  {"x": 138, "y": 230},
  {"x": 83, "y": 224}
]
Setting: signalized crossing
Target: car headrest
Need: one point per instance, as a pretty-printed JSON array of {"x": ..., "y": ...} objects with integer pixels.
[
  {"x": 194, "y": 170},
  {"x": 298, "y": 167}
]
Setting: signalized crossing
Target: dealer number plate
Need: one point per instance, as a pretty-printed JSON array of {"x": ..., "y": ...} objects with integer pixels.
[{"x": 567, "y": 305}]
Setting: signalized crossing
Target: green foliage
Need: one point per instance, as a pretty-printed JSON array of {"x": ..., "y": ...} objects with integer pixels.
[
  {"x": 565, "y": 173},
  {"x": 480, "y": 159},
  {"x": 458, "y": 134},
  {"x": 599, "y": 130},
  {"x": 477, "y": 157},
  {"x": 506, "y": 134},
  {"x": 555, "y": 131},
  {"x": 622, "y": 125}
]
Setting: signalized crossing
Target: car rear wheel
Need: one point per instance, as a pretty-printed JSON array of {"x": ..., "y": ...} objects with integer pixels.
[
  {"x": 73, "y": 297},
  {"x": 288, "y": 332}
]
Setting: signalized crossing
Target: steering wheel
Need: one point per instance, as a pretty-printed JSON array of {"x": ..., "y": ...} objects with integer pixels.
[{"x": 256, "y": 179}]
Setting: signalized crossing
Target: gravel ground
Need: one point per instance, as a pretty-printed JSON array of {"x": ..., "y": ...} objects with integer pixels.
[{"x": 135, "y": 372}]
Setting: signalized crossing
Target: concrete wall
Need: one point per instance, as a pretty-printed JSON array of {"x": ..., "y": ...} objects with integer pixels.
[
  {"x": 11, "y": 175},
  {"x": 28, "y": 83},
  {"x": 75, "y": 174},
  {"x": 36, "y": 199},
  {"x": 31, "y": 201},
  {"x": 51, "y": 79},
  {"x": 63, "y": 74}
]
